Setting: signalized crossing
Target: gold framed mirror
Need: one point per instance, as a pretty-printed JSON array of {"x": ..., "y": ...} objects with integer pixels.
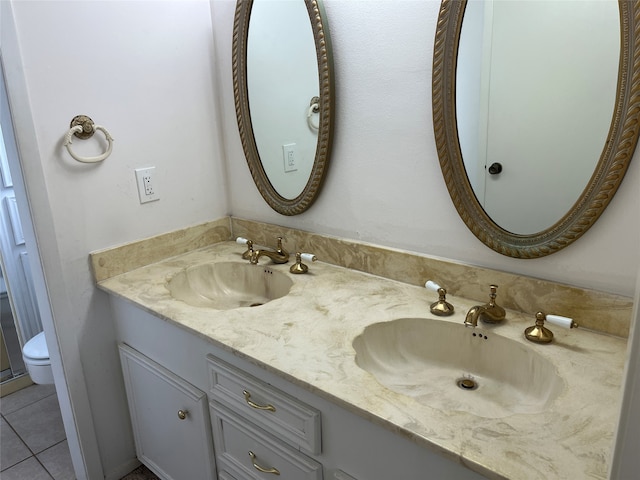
[
  {"x": 284, "y": 97},
  {"x": 611, "y": 160}
]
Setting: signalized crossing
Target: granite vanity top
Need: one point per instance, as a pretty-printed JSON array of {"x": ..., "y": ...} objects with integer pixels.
[{"x": 306, "y": 337}]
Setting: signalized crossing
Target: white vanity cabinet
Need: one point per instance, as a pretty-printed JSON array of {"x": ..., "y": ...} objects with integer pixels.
[
  {"x": 169, "y": 417},
  {"x": 308, "y": 437}
]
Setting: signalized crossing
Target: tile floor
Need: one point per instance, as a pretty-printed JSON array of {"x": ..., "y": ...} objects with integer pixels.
[
  {"x": 33, "y": 440},
  {"x": 33, "y": 443}
]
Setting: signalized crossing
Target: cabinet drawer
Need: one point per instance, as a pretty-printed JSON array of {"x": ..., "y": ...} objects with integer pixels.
[
  {"x": 225, "y": 476},
  {"x": 276, "y": 412},
  {"x": 340, "y": 475},
  {"x": 250, "y": 453}
]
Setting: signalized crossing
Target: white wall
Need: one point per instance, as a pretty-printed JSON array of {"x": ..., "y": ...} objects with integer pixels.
[
  {"x": 145, "y": 71},
  {"x": 384, "y": 183},
  {"x": 626, "y": 462}
]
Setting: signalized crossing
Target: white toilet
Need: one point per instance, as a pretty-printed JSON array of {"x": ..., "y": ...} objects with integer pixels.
[{"x": 36, "y": 358}]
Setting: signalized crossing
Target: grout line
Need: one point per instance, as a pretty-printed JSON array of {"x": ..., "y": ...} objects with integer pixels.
[
  {"x": 43, "y": 467},
  {"x": 18, "y": 435},
  {"x": 22, "y": 461},
  {"x": 33, "y": 454},
  {"x": 27, "y": 404}
]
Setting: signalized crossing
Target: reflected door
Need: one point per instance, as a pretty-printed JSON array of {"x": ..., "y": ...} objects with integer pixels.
[{"x": 546, "y": 86}]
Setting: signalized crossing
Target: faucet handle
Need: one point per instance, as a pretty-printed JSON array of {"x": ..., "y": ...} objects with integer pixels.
[
  {"x": 279, "y": 248},
  {"x": 441, "y": 308},
  {"x": 561, "y": 321},
  {"x": 538, "y": 333},
  {"x": 431, "y": 285},
  {"x": 300, "y": 267},
  {"x": 249, "y": 243},
  {"x": 493, "y": 289}
]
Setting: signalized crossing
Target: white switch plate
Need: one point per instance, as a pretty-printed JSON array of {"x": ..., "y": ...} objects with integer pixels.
[
  {"x": 290, "y": 156},
  {"x": 147, "y": 187}
]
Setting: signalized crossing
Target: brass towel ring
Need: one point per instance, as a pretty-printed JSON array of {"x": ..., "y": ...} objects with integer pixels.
[
  {"x": 83, "y": 127},
  {"x": 314, "y": 107}
]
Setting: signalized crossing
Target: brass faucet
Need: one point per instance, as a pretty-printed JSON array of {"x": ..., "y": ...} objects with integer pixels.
[
  {"x": 277, "y": 256},
  {"x": 488, "y": 313}
]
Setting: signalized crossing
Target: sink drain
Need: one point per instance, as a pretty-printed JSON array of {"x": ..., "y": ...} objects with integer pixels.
[
  {"x": 467, "y": 383},
  {"x": 257, "y": 304}
]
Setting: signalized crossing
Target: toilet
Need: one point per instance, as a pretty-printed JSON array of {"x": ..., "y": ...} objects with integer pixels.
[{"x": 36, "y": 358}]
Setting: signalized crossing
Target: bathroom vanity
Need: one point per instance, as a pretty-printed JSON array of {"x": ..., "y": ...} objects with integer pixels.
[
  {"x": 247, "y": 392},
  {"x": 316, "y": 438}
]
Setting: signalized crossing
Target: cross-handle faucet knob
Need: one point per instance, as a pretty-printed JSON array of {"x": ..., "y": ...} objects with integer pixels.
[
  {"x": 441, "y": 308},
  {"x": 538, "y": 333}
]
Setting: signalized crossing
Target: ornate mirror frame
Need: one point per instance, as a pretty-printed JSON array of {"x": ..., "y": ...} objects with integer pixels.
[
  {"x": 608, "y": 174},
  {"x": 305, "y": 199}
]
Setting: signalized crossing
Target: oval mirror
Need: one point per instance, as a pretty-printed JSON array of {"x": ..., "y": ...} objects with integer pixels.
[
  {"x": 283, "y": 87},
  {"x": 535, "y": 108}
]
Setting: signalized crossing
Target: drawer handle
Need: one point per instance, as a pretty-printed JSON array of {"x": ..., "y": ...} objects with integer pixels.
[
  {"x": 182, "y": 414},
  {"x": 275, "y": 471},
  {"x": 247, "y": 397}
]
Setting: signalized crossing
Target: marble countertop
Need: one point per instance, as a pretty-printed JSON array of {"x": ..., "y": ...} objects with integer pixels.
[{"x": 306, "y": 337}]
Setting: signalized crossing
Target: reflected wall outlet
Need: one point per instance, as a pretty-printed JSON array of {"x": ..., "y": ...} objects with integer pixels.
[
  {"x": 290, "y": 157},
  {"x": 147, "y": 188}
]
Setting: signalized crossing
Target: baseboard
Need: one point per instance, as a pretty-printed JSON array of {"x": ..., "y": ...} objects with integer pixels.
[{"x": 123, "y": 470}]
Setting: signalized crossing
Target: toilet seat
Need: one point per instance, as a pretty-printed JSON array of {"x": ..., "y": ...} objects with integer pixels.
[
  {"x": 36, "y": 348},
  {"x": 36, "y": 358}
]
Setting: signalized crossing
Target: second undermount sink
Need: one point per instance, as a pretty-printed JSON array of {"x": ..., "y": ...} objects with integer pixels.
[
  {"x": 452, "y": 367},
  {"x": 228, "y": 285}
]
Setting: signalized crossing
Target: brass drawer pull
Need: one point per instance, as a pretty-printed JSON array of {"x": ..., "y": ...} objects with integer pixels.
[
  {"x": 182, "y": 414},
  {"x": 247, "y": 397},
  {"x": 275, "y": 471}
]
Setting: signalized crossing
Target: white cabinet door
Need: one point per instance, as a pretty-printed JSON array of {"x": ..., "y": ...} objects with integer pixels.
[{"x": 170, "y": 420}]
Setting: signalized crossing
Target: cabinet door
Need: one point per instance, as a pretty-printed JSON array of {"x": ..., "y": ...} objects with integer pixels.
[{"x": 169, "y": 418}]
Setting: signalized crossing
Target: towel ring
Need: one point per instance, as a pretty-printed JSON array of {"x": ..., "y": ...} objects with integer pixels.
[
  {"x": 314, "y": 107},
  {"x": 83, "y": 127}
]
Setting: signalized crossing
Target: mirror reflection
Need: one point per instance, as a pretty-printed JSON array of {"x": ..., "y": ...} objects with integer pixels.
[
  {"x": 283, "y": 88},
  {"x": 535, "y": 95},
  {"x": 282, "y": 78},
  {"x": 564, "y": 155}
]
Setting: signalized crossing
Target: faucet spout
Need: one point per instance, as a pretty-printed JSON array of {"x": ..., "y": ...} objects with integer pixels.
[
  {"x": 275, "y": 256},
  {"x": 471, "y": 320},
  {"x": 488, "y": 313},
  {"x": 279, "y": 255}
]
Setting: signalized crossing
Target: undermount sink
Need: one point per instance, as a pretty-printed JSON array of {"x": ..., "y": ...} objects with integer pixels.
[
  {"x": 228, "y": 285},
  {"x": 452, "y": 367}
]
